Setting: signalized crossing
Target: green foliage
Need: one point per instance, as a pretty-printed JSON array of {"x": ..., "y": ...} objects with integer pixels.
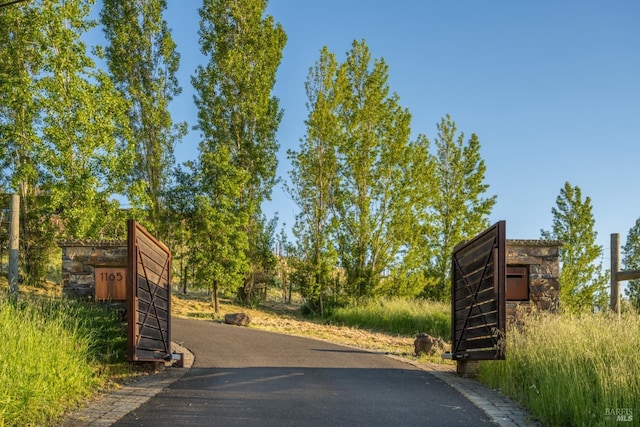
[
  {"x": 459, "y": 209},
  {"x": 369, "y": 197},
  {"x": 60, "y": 126},
  {"x": 219, "y": 248},
  {"x": 398, "y": 316},
  {"x": 38, "y": 243},
  {"x": 238, "y": 119},
  {"x": 261, "y": 256},
  {"x": 320, "y": 297},
  {"x": 82, "y": 115},
  {"x": 381, "y": 207},
  {"x": 20, "y": 65},
  {"x": 312, "y": 176},
  {"x": 49, "y": 354},
  {"x": 353, "y": 180},
  {"x": 143, "y": 61},
  {"x": 631, "y": 259},
  {"x": 570, "y": 370},
  {"x": 582, "y": 282},
  {"x": 410, "y": 274}
]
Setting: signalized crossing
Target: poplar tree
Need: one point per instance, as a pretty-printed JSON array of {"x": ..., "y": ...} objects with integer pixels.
[
  {"x": 460, "y": 209},
  {"x": 373, "y": 157},
  {"x": 389, "y": 209},
  {"x": 582, "y": 282},
  {"x": 413, "y": 272},
  {"x": 348, "y": 177},
  {"x": 313, "y": 174},
  {"x": 631, "y": 259},
  {"x": 143, "y": 62},
  {"x": 238, "y": 119}
]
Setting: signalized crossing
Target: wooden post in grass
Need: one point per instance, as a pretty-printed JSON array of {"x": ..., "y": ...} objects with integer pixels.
[
  {"x": 618, "y": 275},
  {"x": 14, "y": 243},
  {"x": 615, "y": 267}
]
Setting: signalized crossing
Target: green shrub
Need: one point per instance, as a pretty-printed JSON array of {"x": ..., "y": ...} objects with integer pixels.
[{"x": 571, "y": 370}]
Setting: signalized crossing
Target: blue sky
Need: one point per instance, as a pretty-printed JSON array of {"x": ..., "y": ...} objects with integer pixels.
[{"x": 551, "y": 88}]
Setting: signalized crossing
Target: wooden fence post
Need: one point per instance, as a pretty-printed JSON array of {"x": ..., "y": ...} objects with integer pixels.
[
  {"x": 14, "y": 245},
  {"x": 618, "y": 275},
  {"x": 615, "y": 268}
]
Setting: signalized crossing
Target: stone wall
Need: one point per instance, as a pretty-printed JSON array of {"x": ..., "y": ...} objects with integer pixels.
[
  {"x": 542, "y": 259},
  {"x": 81, "y": 257}
]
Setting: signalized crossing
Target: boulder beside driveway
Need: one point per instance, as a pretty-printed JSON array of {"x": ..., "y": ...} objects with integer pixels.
[{"x": 238, "y": 319}]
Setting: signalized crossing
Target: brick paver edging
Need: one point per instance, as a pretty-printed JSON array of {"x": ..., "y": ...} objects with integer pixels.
[{"x": 108, "y": 409}]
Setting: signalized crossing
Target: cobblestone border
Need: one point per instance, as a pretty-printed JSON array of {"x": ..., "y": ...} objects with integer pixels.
[{"x": 109, "y": 408}]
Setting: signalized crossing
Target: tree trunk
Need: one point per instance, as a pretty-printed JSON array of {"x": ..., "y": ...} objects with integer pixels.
[
  {"x": 284, "y": 286},
  {"x": 249, "y": 285},
  {"x": 185, "y": 273},
  {"x": 216, "y": 299}
]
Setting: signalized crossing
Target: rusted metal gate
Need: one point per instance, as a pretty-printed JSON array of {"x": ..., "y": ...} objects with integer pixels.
[
  {"x": 148, "y": 296},
  {"x": 478, "y": 296}
]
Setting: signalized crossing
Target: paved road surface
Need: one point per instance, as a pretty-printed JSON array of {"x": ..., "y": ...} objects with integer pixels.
[{"x": 245, "y": 377}]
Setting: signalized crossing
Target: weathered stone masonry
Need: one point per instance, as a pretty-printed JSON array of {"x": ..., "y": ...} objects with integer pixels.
[
  {"x": 541, "y": 259},
  {"x": 81, "y": 257}
]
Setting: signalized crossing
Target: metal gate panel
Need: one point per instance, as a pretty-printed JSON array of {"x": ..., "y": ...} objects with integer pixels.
[
  {"x": 148, "y": 296},
  {"x": 478, "y": 303}
]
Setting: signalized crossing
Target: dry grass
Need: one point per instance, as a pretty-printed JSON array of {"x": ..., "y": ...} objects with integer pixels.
[{"x": 284, "y": 318}]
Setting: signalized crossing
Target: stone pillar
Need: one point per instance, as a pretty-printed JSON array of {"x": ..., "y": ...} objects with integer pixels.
[
  {"x": 81, "y": 257},
  {"x": 541, "y": 257}
]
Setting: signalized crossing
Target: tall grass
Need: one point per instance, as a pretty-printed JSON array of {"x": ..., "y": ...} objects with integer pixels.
[
  {"x": 50, "y": 353},
  {"x": 398, "y": 316},
  {"x": 572, "y": 370}
]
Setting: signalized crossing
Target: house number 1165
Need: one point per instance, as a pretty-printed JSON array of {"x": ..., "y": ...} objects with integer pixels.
[{"x": 108, "y": 276}]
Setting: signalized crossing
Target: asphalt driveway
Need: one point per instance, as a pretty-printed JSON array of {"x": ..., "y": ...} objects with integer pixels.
[{"x": 246, "y": 377}]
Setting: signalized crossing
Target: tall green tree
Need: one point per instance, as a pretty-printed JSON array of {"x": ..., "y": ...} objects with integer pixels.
[
  {"x": 238, "y": 118},
  {"x": 373, "y": 155},
  {"x": 313, "y": 173},
  {"x": 21, "y": 64},
  {"x": 143, "y": 62},
  {"x": 582, "y": 281},
  {"x": 413, "y": 272},
  {"x": 219, "y": 241},
  {"x": 60, "y": 122},
  {"x": 83, "y": 116},
  {"x": 631, "y": 259},
  {"x": 460, "y": 207}
]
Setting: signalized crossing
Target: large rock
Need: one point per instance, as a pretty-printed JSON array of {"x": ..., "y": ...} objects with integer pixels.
[
  {"x": 238, "y": 319},
  {"x": 425, "y": 343}
]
